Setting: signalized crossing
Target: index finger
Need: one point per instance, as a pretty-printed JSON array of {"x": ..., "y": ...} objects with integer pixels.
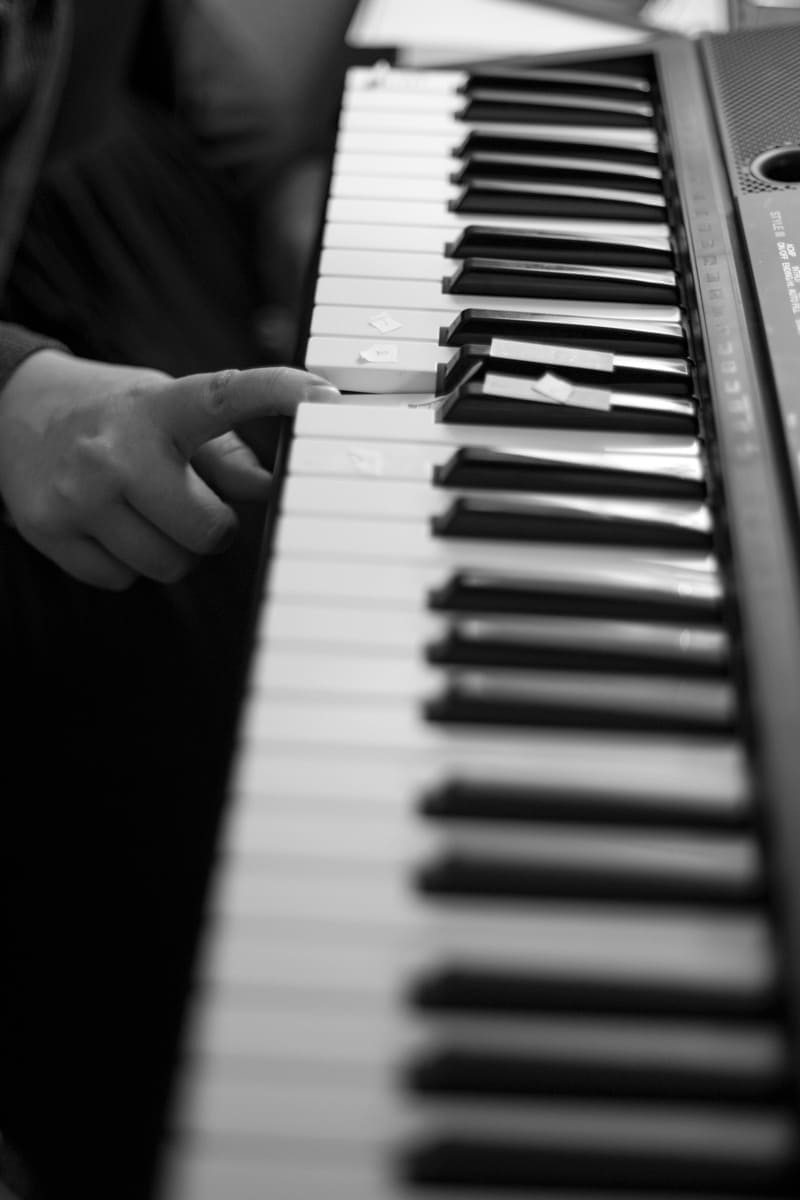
[{"x": 196, "y": 408}]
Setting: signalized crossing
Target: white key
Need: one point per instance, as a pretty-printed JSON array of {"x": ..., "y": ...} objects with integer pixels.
[
  {"x": 385, "y": 264},
  {"x": 410, "y": 212},
  {"x": 375, "y": 365},
  {"x": 427, "y": 294},
  {"x": 380, "y": 77},
  {"x": 408, "y": 324},
  {"x": 401, "y": 500},
  {"x": 440, "y": 102},
  {"x": 600, "y": 137},
  {"x": 707, "y": 776},
  {"x": 343, "y": 235},
  {"x": 412, "y": 166},
  {"x": 412, "y": 462},
  {"x": 419, "y": 425}
]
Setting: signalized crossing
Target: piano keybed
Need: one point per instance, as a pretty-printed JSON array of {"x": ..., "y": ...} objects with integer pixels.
[{"x": 491, "y": 915}]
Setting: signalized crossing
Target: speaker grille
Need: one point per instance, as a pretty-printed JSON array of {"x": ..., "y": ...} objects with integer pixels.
[{"x": 755, "y": 75}]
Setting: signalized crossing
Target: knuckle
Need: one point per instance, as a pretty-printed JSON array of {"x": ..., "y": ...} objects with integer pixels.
[{"x": 218, "y": 387}]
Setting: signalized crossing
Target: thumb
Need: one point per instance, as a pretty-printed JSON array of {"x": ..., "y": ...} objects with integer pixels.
[{"x": 196, "y": 408}]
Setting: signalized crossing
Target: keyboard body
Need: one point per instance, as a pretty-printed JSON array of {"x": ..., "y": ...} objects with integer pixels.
[{"x": 506, "y": 897}]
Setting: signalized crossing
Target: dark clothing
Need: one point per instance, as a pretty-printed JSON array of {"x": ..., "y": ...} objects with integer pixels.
[{"x": 123, "y": 705}]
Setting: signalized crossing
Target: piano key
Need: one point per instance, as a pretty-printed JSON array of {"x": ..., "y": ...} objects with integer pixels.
[
  {"x": 595, "y": 172},
  {"x": 494, "y": 241},
  {"x": 562, "y": 698},
  {"x": 504, "y": 277},
  {"x": 600, "y": 333},
  {"x": 608, "y": 136},
  {"x": 506, "y": 641},
  {"x": 407, "y": 500},
  {"x": 595, "y": 82},
  {"x": 668, "y": 782},
  {"x": 562, "y": 518},
  {"x": 420, "y": 425},
  {"x": 430, "y": 214},
  {"x": 481, "y": 194},
  {"x": 427, "y": 294},
  {"x": 505, "y": 197},
  {"x": 410, "y": 542},
  {"x": 608, "y": 467},
  {"x": 517, "y": 400},
  {"x": 511, "y": 468},
  {"x": 648, "y": 591},
  {"x": 368, "y": 365},
  {"x": 621, "y": 372}
]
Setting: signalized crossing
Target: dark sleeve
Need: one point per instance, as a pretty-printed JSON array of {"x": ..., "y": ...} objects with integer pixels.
[{"x": 17, "y": 344}]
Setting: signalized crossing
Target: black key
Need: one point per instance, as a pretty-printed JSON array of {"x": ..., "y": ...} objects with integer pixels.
[
  {"x": 664, "y": 1152},
  {"x": 511, "y": 277},
  {"x": 493, "y": 800},
  {"x": 596, "y": 83},
  {"x": 540, "y": 140},
  {"x": 554, "y": 168},
  {"x": 487, "y": 241},
  {"x": 589, "y": 863},
  {"x": 465, "y": 987},
  {"x": 554, "y": 107},
  {"x": 575, "y": 519},
  {"x": 586, "y": 333},
  {"x": 526, "y": 470},
  {"x": 557, "y": 200},
  {"x": 574, "y": 1055},
  {"x": 579, "y": 700},
  {"x": 592, "y": 368},
  {"x": 573, "y": 643},
  {"x": 616, "y": 596},
  {"x": 474, "y": 404}
]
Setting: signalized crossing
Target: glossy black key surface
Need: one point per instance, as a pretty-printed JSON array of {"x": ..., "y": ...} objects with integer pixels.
[
  {"x": 588, "y": 333},
  {"x": 523, "y": 198},
  {"x": 575, "y": 700},
  {"x": 492, "y": 800},
  {"x": 473, "y": 404},
  {"x": 712, "y": 869},
  {"x": 512, "y": 469},
  {"x": 617, "y": 372},
  {"x": 531, "y": 245},
  {"x": 572, "y": 519},
  {"x": 550, "y": 106},
  {"x": 541, "y": 141},
  {"x": 553, "y": 168},
  {"x": 563, "y": 281},
  {"x": 618, "y": 596},
  {"x": 599, "y": 83},
  {"x": 584, "y": 1056},
  {"x": 602, "y": 645}
]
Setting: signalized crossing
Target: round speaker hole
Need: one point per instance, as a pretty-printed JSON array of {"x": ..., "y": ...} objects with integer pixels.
[{"x": 780, "y": 165}]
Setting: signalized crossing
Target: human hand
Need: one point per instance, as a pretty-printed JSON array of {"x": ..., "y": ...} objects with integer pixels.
[{"x": 117, "y": 472}]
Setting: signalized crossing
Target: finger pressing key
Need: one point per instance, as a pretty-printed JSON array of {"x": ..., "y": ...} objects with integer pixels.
[{"x": 196, "y": 408}]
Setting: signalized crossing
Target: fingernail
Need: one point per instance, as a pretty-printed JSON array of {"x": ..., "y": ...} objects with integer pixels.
[{"x": 323, "y": 393}]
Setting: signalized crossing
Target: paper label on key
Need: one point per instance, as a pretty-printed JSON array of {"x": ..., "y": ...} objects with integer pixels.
[
  {"x": 553, "y": 387},
  {"x": 556, "y": 356},
  {"x": 384, "y": 322},
  {"x": 512, "y": 387},
  {"x": 586, "y": 397},
  {"x": 379, "y": 354}
]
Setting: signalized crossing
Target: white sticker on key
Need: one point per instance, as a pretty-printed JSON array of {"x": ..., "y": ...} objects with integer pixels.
[
  {"x": 556, "y": 356},
  {"x": 365, "y": 460},
  {"x": 379, "y": 354},
  {"x": 512, "y": 387},
  {"x": 384, "y": 322},
  {"x": 553, "y": 387}
]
